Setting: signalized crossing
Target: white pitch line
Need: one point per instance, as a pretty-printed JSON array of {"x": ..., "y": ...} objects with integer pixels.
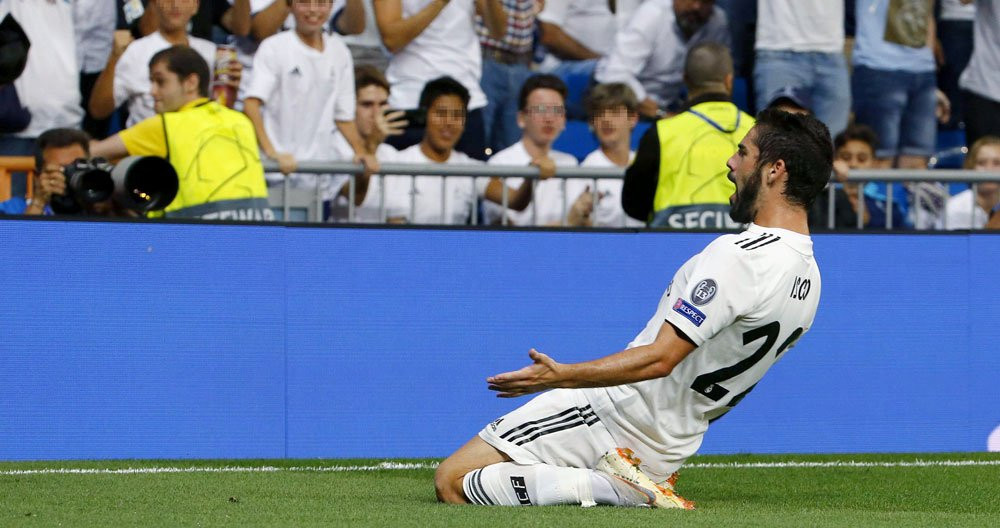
[{"x": 400, "y": 465}]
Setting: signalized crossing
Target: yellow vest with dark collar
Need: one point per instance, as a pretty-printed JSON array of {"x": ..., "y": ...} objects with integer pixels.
[
  {"x": 214, "y": 151},
  {"x": 693, "y": 189}
]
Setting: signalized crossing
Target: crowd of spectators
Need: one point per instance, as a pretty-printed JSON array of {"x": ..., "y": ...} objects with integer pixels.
[{"x": 498, "y": 81}]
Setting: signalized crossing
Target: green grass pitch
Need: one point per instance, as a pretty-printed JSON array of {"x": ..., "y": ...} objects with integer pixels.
[{"x": 936, "y": 490}]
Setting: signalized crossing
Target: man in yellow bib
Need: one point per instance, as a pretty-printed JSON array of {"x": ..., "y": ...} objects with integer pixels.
[
  {"x": 212, "y": 148},
  {"x": 678, "y": 179}
]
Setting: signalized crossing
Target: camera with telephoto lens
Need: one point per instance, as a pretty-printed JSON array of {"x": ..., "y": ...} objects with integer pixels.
[{"x": 137, "y": 183}]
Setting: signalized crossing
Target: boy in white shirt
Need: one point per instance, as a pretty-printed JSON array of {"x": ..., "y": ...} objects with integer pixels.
[
  {"x": 431, "y": 38},
  {"x": 428, "y": 199},
  {"x": 613, "y": 113},
  {"x": 542, "y": 117},
  {"x": 125, "y": 79},
  {"x": 302, "y": 93},
  {"x": 374, "y": 122}
]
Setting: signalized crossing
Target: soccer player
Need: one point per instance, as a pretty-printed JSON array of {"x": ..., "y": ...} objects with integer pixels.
[{"x": 614, "y": 430}]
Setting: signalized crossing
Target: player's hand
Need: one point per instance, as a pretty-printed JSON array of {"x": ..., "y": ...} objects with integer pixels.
[{"x": 543, "y": 373}]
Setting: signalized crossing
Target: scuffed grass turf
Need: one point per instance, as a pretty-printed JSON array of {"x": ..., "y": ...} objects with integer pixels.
[{"x": 936, "y": 496}]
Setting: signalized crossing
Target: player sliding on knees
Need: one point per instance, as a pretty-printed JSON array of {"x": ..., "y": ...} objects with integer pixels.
[{"x": 616, "y": 429}]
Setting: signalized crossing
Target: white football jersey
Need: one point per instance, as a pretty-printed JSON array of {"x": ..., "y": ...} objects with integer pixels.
[{"x": 744, "y": 301}]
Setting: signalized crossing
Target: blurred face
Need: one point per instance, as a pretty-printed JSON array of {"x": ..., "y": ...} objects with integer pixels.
[
  {"x": 744, "y": 172},
  {"x": 445, "y": 123},
  {"x": 371, "y": 101},
  {"x": 613, "y": 125},
  {"x": 988, "y": 159},
  {"x": 544, "y": 116},
  {"x": 169, "y": 93},
  {"x": 174, "y": 15},
  {"x": 692, "y": 14},
  {"x": 311, "y": 15},
  {"x": 857, "y": 155}
]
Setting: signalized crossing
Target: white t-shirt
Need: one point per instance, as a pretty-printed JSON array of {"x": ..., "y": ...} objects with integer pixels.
[
  {"x": 95, "y": 26},
  {"x": 49, "y": 87},
  {"x": 588, "y": 22},
  {"x": 608, "y": 210},
  {"x": 131, "y": 84},
  {"x": 649, "y": 52},
  {"x": 370, "y": 211},
  {"x": 546, "y": 207},
  {"x": 744, "y": 301},
  {"x": 962, "y": 212},
  {"x": 980, "y": 76},
  {"x": 448, "y": 46},
  {"x": 800, "y": 25},
  {"x": 304, "y": 92},
  {"x": 956, "y": 10},
  {"x": 422, "y": 199},
  {"x": 370, "y": 37}
]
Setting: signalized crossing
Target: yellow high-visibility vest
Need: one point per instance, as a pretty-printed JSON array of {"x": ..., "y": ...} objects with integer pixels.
[
  {"x": 214, "y": 151},
  {"x": 693, "y": 189}
]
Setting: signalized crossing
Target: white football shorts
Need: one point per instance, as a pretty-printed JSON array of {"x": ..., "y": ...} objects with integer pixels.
[{"x": 557, "y": 427}]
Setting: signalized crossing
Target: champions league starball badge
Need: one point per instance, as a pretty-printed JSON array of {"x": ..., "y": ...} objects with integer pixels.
[{"x": 704, "y": 292}]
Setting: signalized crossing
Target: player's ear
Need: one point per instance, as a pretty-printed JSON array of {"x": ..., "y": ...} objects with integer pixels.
[{"x": 776, "y": 171}]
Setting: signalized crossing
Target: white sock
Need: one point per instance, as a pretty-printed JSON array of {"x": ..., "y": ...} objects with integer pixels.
[{"x": 512, "y": 484}]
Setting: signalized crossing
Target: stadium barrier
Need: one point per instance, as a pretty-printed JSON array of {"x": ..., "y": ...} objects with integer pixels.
[
  {"x": 142, "y": 339},
  {"x": 311, "y": 200}
]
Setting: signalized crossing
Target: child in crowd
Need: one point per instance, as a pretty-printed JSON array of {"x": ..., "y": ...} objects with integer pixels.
[
  {"x": 613, "y": 113},
  {"x": 302, "y": 94}
]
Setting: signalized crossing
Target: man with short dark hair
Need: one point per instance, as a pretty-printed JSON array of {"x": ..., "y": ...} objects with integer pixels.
[
  {"x": 54, "y": 149},
  {"x": 212, "y": 148},
  {"x": 728, "y": 315},
  {"x": 541, "y": 116}
]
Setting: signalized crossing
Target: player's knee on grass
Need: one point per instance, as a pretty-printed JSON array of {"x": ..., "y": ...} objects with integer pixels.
[{"x": 448, "y": 483}]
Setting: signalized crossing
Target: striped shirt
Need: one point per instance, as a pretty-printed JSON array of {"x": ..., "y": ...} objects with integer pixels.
[{"x": 520, "y": 28}]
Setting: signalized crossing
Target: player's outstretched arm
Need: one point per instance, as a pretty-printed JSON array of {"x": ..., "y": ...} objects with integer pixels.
[{"x": 654, "y": 360}]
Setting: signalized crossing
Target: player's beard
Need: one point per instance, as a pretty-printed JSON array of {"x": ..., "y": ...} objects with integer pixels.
[{"x": 744, "y": 206}]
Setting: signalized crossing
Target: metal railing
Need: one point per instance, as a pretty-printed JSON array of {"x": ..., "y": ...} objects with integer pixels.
[{"x": 290, "y": 198}]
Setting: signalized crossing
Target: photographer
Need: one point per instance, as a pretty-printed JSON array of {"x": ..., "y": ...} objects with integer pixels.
[
  {"x": 212, "y": 148},
  {"x": 54, "y": 149}
]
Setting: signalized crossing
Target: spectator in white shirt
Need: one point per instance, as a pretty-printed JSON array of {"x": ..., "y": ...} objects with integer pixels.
[
  {"x": 542, "y": 117},
  {"x": 800, "y": 43},
  {"x": 375, "y": 122},
  {"x": 49, "y": 85},
  {"x": 430, "y": 199},
  {"x": 301, "y": 93},
  {"x": 431, "y": 38},
  {"x": 649, "y": 52},
  {"x": 970, "y": 209},
  {"x": 575, "y": 34},
  {"x": 613, "y": 113},
  {"x": 125, "y": 79}
]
